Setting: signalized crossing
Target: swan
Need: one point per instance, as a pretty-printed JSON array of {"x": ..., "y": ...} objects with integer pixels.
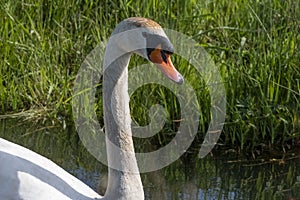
[{"x": 27, "y": 175}]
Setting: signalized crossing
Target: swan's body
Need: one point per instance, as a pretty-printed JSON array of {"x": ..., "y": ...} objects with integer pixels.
[
  {"x": 29, "y": 176},
  {"x": 25, "y": 174}
]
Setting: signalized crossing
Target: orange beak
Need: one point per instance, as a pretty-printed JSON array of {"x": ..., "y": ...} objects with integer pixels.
[{"x": 163, "y": 61}]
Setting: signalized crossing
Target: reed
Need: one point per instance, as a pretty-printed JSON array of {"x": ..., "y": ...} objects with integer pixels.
[{"x": 254, "y": 44}]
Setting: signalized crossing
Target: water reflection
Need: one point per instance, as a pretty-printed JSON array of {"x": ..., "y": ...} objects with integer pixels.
[{"x": 189, "y": 178}]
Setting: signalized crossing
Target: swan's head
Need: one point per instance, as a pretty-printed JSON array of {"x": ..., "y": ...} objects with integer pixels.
[
  {"x": 158, "y": 51},
  {"x": 147, "y": 39}
]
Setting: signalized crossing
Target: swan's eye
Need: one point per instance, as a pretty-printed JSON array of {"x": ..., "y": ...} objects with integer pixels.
[
  {"x": 167, "y": 52},
  {"x": 163, "y": 55},
  {"x": 159, "y": 55},
  {"x": 149, "y": 51}
]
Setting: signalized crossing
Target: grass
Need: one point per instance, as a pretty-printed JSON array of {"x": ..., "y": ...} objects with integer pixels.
[{"x": 254, "y": 44}]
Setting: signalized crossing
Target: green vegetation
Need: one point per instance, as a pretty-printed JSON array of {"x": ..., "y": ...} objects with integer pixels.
[{"x": 255, "y": 45}]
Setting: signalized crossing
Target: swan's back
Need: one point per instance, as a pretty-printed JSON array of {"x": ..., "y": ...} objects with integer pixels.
[{"x": 28, "y": 175}]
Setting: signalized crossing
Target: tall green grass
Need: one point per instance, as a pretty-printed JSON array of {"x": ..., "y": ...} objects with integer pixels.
[{"x": 255, "y": 45}]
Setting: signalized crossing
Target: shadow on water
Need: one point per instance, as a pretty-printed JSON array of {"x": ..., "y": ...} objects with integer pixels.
[{"x": 189, "y": 178}]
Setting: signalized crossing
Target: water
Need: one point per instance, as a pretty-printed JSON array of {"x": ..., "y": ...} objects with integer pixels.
[{"x": 189, "y": 178}]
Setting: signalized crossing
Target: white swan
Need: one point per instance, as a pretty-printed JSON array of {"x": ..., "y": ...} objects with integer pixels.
[{"x": 28, "y": 176}]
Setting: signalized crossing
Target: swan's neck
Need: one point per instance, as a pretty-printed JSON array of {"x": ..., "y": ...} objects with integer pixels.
[{"x": 123, "y": 182}]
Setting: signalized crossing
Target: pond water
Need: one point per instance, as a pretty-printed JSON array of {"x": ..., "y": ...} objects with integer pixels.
[{"x": 189, "y": 178}]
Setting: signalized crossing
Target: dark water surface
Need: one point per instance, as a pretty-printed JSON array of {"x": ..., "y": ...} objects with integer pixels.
[{"x": 189, "y": 178}]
